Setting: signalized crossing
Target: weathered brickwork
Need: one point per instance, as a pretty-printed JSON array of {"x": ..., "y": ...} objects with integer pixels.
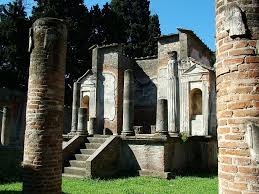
[
  {"x": 42, "y": 160},
  {"x": 237, "y": 71}
]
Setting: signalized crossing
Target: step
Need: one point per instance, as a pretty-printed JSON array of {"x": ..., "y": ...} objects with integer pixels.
[
  {"x": 96, "y": 139},
  {"x": 87, "y": 151},
  {"x": 75, "y": 171},
  {"x": 101, "y": 136},
  {"x": 77, "y": 163},
  {"x": 92, "y": 145},
  {"x": 82, "y": 157}
]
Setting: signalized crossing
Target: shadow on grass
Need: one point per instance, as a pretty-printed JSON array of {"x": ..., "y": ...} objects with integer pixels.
[{"x": 197, "y": 173}]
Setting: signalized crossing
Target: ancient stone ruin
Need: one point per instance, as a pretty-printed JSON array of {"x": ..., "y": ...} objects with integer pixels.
[
  {"x": 147, "y": 116},
  {"x": 138, "y": 110}
]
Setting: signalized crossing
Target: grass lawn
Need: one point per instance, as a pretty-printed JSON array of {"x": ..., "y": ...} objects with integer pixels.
[{"x": 135, "y": 185}]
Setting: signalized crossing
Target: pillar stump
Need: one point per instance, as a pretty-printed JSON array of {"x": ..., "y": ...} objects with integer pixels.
[
  {"x": 75, "y": 107},
  {"x": 5, "y": 132},
  {"x": 162, "y": 117},
  {"x": 128, "y": 103},
  {"x": 91, "y": 126},
  {"x": 237, "y": 70},
  {"x": 82, "y": 121},
  {"x": 42, "y": 161}
]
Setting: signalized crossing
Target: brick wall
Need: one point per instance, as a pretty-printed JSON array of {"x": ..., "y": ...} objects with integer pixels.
[
  {"x": 237, "y": 71},
  {"x": 42, "y": 161}
]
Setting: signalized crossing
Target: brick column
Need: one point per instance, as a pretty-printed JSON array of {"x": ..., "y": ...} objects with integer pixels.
[
  {"x": 237, "y": 71},
  {"x": 42, "y": 160}
]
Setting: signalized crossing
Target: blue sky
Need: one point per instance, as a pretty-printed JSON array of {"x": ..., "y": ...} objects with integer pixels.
[{"x": 197, "y": 15}]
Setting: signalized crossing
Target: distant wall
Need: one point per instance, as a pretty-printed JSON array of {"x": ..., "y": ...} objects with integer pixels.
[{"x": 10, "y": 163}]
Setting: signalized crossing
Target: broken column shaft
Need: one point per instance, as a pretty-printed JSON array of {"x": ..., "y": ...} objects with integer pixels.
[
  {"x": 128, "y": 103},
  {"x": 82, "y": 121},
  {"x": 162, "y": 117},
  {"x": 42, "y": 161}
]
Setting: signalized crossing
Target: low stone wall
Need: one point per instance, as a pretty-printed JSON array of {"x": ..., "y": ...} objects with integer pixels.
[
  {"x": 197, "y": 154},
  {"x": 158, "y": 156},
  {"x": 71, "y": 146},
  {"x": 10, "y": 163},
  {"x": 104, "y": 162}
]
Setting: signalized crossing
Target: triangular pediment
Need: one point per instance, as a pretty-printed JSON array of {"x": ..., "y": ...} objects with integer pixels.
[
  {"x": 196, "y": 69},
  {"x": 88, "y": 77}
]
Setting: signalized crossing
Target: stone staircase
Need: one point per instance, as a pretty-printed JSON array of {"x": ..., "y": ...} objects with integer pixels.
[{"x": 78, "y": 166}]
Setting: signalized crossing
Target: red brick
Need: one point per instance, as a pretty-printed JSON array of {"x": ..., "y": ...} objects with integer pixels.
[
  {"x": 234, "y": 61},
  {"x": 238, "y": 52},
  {"x": 252, "y": 59}
]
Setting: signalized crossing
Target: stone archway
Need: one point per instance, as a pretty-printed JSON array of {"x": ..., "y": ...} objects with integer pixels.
[
  {"x": 195, "y": 102},
  {"x": 85, "y": 104}
]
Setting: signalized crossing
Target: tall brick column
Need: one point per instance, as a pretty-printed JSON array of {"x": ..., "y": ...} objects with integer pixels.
[
  {"x": 237, "y": 70},
  {"x": 42, "y": 160}
]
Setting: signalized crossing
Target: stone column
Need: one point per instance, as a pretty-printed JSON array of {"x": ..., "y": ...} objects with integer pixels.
[
  {"x": 5, "y": 132},
  {"x": 75, "y": 106},
  {"x": 128, "y": 103},
  {"x": 162, "y": 117},
  {"x": 237, "y": 70},
  {"x": 173, "y": 100},
  {"x": 42, "y": 161},
  {"x": 82, "y": 121},
  {"x": 91, "y": 125}
]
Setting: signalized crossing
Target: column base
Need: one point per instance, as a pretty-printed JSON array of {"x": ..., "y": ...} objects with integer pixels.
[
  {"x": 174, "y": 134},
  {"x": 127, "y": 133},
  {"x": 82, "y": 133},
  {"x": 164, "y": 133}
]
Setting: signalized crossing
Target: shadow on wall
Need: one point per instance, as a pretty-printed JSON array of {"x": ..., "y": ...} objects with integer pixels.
[
  {"x": 145, "y": 100},
  {"x": 129, "y": 163}
]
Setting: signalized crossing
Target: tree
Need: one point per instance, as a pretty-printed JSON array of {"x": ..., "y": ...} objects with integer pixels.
[
  {"x": 135, "y": 16},
  {"x": 154, "y": 33},
  {"x": 14, "y": 56},
  {"x": 76, "y": 16}
]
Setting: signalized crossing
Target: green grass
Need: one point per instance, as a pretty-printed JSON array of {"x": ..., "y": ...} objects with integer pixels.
[{"x": 135, "y": 185}]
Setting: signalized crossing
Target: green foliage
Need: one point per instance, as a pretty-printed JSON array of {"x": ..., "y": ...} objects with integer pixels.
[
  {"x": 76, "y": 16},
  {"x": 138, "y": 26},
  {"x": 184, "y": 136},
  {"x": 14, "y": 58},
  {"x": 121, "y": 21},
  {"x": 136, "y": 185}
]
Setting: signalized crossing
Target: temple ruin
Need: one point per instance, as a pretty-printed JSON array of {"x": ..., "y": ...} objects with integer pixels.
[{"x": 143, "y": 107}]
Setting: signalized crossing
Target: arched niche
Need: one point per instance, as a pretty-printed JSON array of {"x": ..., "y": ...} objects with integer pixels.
[
  {"x": 195, "y": 103},
  {"x": 85, "y": 104}
]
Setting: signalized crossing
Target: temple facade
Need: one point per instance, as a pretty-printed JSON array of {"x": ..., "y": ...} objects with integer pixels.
[{"x": 182, "y": 73}]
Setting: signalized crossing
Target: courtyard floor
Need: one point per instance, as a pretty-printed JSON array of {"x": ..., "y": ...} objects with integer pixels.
[{"x": 134, "y": 185}]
